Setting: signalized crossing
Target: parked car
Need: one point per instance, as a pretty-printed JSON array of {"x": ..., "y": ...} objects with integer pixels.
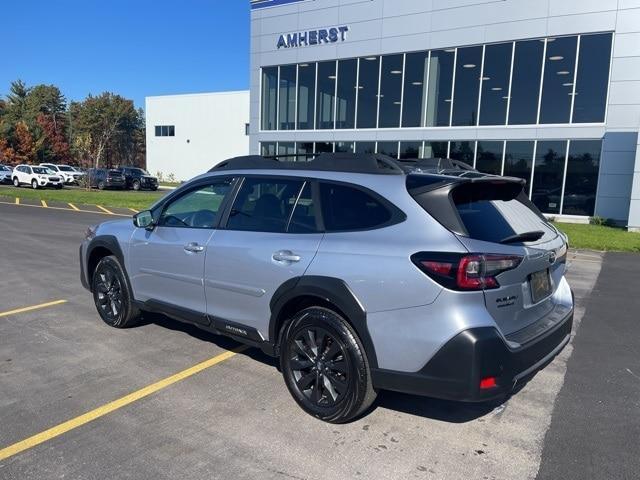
[
  {"x": 139, "y": 179},
  {"x": 360, "y": 272},
  {"x": 69, "y": 175},
  {"x": 5, "y": 174},
  {"x": 102, "y": 178},
  {"x": 36, "y": 176}
]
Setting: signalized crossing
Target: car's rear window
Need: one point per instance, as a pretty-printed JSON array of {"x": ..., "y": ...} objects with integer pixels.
[
  {"x": 347, "y": 208},
  {"x": 489, "y": 214}
]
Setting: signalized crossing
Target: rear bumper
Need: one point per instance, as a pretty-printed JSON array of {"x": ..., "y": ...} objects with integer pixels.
[{"x": 454, "y": 373}]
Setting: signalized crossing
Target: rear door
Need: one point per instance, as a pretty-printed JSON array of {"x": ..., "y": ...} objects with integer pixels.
[
  {"x": 270, "y": 236},
  {"x": 497, "y": 223}
]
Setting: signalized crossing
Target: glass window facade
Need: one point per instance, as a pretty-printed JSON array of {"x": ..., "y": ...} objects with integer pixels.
[
  {"x": 467, "y": 86},
  {"x": 541, "y": 81},
  {"x": 306, "y": 95},
  {"x": 562, "y": 175}
]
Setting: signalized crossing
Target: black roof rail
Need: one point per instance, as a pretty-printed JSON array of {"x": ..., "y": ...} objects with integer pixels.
[{"x": 328, "y": 162}]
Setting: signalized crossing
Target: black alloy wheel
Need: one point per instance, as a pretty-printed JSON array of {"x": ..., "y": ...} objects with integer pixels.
[
  {"x": 111, "y": 294},
  {"x": 325, "y": 366}
]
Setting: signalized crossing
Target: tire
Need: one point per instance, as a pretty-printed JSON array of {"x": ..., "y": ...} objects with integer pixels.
[
  {"x": 136, "y": 185},
  {"x": 34, "y": 184},
  {"x": 112, "y": 295},
  {"x": 333, "y": 383},
  {"x": 59, "y": 187},
  {"x": 16, "y": 182},
  {"x": 101, "y": 185}
]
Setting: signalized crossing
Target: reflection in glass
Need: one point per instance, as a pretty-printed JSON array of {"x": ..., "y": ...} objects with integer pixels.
[
  {"x": 346, "y": 104},
  {"x": 489, "y": 157},
  {"x": 287, "y": 96},
  {"x": 365, "y": 147},
  {"x": 390, "y": 91},
  {"x": 345, "y": 147},
  {"x": 269, "y": 98},
  {"x": 463, "y": 150},
  {"x": 440, "y": 84},
  {"x": 582, "y": 177},
  {"x": 411, "y": 150},
  {"x": 547, "y": 176},
  {"x": 268, "y": 149},
  {"x": 559, "y": 69},
  {"x": 324, "y": 147},
  {"x": 435, "y": 149},
  {"x": 325, "y": 98},
  {"x": 467, "y": 88},
  {"x": 304, "y": 151},
  {"x": 495, "y": 84},
  {"x": 525, "y": 84},
  {"x": 287, "y": 151},
  {"x": 368, "y": 92},
  {"x": 518, "y": 158},
  {"x": 388, "y": 148},
  {"x": 306, "y": 95},
  {"x": 593, "y": 78},
  {"x": 415, "y": 88}
]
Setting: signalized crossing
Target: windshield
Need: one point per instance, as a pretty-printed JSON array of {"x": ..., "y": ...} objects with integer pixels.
[
  {"x": 4, "y": 169},
  {"x": 65, "y": 168},
  {"x": 140, "y": 171},
  {"x": 42, "y": 170}
]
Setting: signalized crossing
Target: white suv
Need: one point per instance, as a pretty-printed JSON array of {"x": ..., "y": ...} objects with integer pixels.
[
  {"x": 68, "y": 174},
  {"x": 36, "y": 177}
]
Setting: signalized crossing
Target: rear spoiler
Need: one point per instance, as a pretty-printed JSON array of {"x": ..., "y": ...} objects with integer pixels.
[{"x": 439, "y": 195}]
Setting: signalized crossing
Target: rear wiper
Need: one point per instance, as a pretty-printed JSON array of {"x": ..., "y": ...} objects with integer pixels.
[{"x": 524, "y": 237}]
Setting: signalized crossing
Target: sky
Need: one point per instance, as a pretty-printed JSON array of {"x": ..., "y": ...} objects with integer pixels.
[{"x": 134, "y": 48}]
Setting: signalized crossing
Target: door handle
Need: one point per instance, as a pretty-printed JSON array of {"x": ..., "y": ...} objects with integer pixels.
[
  {"x": 286, "y": 256},
  {"x": 193, "y": 247}
]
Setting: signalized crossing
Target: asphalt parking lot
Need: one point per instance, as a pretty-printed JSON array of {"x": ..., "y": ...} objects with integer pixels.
[{"x": 232, "y": 417}]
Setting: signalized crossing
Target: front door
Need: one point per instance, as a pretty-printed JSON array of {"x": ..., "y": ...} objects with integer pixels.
[
  {"x": 271, "y": 236},
  {"x": 167, "y": 263}
]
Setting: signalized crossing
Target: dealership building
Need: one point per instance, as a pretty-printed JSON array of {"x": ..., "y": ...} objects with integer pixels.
[{"x": 545, "y": 90}]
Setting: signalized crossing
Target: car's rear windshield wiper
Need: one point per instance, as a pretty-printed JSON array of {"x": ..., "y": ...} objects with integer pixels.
[{"x": 524, "y": 237}]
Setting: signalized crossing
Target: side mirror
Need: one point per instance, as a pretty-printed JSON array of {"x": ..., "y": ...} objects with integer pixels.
[{"x": 144, "y": 219}]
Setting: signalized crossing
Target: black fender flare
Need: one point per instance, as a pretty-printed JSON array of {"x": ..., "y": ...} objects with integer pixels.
[
  {"x": 109, "y": 242},
  {"x": 331, "y": 290}
]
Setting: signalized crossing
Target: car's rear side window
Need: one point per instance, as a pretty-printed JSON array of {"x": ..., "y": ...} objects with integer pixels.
[
  {"x": 347, "y": 208},
  {"x": 264, "y": 204}
]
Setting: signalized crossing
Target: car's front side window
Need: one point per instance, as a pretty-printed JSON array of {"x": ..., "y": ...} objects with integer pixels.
[
  {"x": 198, "y": 208},
  {"x": 264, "y": 204}
]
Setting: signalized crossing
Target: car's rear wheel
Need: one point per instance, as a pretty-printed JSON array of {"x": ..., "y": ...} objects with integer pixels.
[
  {"x": 34, "y": 184},
  {"x": 101, "y": 185},
  {"x": 325, "y": 366},
  {"x": 16, "y": 182},
  {"x": 136, "y": 185},
  {"x": 112, "y": 295}
]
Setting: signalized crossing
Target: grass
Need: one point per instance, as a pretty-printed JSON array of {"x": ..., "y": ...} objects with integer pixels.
[
  {"x": 106, "y": 198},
  {"x": 600, "y": 237}
]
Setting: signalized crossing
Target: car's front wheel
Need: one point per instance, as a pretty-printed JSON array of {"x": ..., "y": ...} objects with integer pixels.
[
  {"x": 136, "y": 185},
  {"x": 16, "y": 182},
  {"x": 34, "y": 184},
  {"x": 325, "y": 366},
  {"x": 112, "y": 295}
]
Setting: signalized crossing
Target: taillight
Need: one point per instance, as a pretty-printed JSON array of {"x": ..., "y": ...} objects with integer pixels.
[{"x": 465, "y": 272}]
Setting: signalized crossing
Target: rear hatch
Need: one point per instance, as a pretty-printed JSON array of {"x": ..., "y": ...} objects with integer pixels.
[{"x": 494, "y": 220}]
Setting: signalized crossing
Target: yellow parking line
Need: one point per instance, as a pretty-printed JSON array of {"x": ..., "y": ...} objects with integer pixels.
[
  {"x": 134, "y": 210},
  {"x": 105, "y": 210},
  {"x": 66, "y": 209},
  {"x": 114, "y": 405},
  {"x": 74, "y": 207},
  {"x": 34, "y": 307},
  {"x": 17, "y": 201},
  {"x": 44, "y": 204}
]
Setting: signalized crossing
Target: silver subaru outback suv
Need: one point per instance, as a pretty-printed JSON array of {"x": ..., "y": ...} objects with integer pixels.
[{"x": 359, "y": 272}]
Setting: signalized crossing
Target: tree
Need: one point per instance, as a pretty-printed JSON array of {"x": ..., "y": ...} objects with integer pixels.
[
  {"x": 26, "y": 148},
  {"x": 7, "y": 153},
  {"x": 53, "y": 146},
  {"x": 109, "y": 121}
]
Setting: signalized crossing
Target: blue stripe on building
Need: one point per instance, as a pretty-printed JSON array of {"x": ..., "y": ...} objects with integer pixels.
[{"x": 255, "y": 4}]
